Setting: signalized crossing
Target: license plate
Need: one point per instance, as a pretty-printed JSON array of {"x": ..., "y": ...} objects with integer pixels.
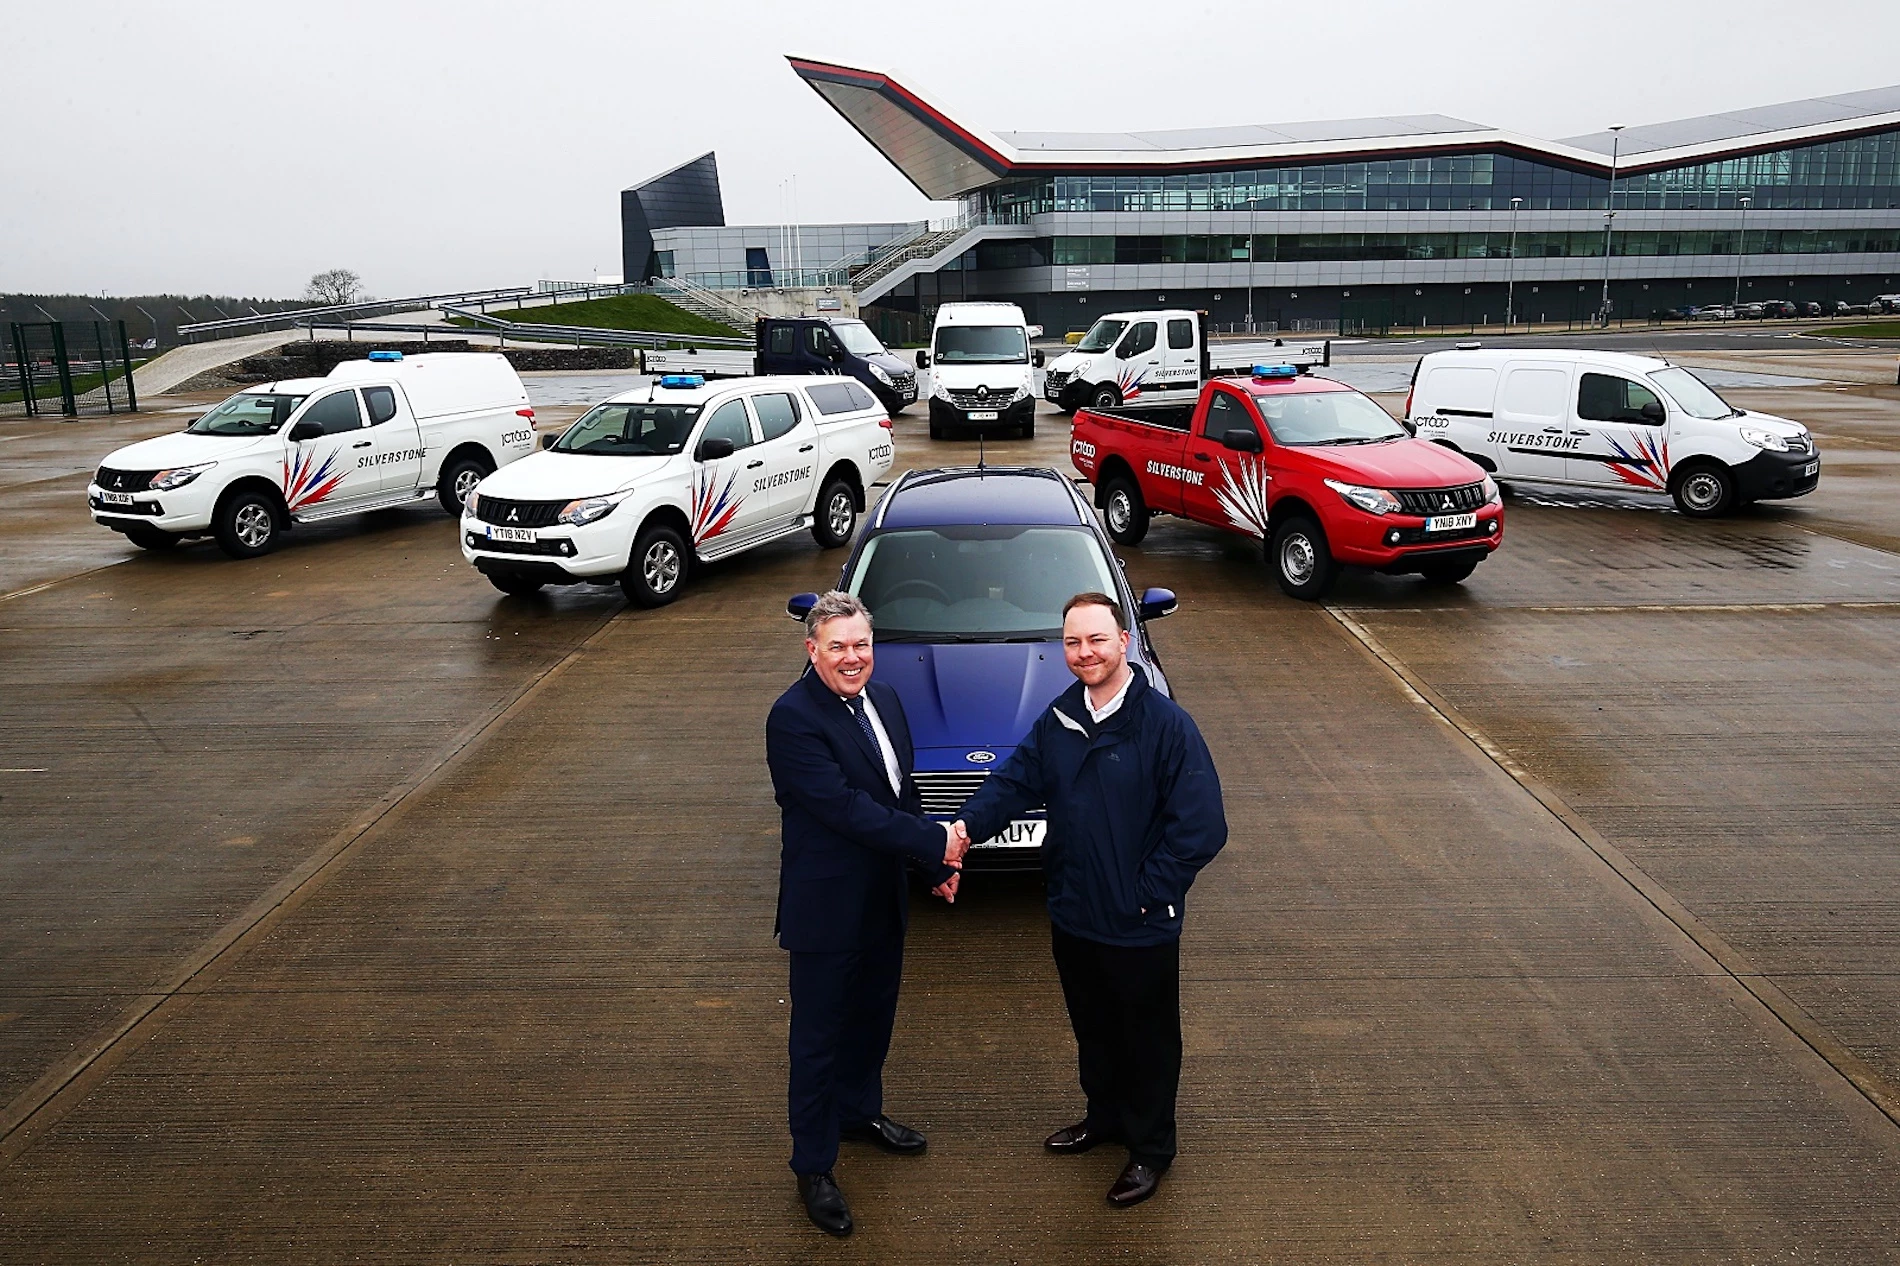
[
  {"x": 115, "y": 498},
  {"x": 983, "y": 415},
  {"x": 525, "y": 535},
  {"x": 1451, "y": 522},
  {"x": 1025, "y": 833},
  {"x": 1812, "y": 468}
]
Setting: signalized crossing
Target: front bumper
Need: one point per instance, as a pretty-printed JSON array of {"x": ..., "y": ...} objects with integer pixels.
[
  {"x": 1400, "y": 543},
  {"x": 1771, "y": 476},
  {"x": 180, "y": 510},
  {"x": 561, "y": 554},
  {"x": 945, "y": 414}
]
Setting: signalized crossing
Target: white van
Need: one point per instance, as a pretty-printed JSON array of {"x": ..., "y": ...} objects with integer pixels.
[
  {"x": 376, "y": 433},
  {"x": 653, "y": 480},
  {"x": 1607, "y": 420},
  {"x": 1159, "y": 356},
  {"x": 983, "y": 373}
]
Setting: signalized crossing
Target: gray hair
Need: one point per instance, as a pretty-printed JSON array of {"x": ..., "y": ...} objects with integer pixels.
[{"x": 836, "y": 605}]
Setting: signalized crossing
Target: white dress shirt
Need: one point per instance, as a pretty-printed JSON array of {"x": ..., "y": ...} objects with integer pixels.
[{"x": 1107, "y": 710}]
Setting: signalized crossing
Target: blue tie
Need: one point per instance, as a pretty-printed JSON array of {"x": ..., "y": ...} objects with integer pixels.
[{"x": 856, "y": 704}]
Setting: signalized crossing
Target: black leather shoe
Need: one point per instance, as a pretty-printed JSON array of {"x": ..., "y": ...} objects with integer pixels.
[
  {"x": 824, "y": 1204},
  {"x": 888, "y": 1135},
  {"x": 1135, "y": 1185},
  {"x": 1074, "y": 1139}
]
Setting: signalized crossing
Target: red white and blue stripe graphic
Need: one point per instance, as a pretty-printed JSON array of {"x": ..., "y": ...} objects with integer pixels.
[
  {"x": 308, "y": 481},
  {"x": 714, "y": 507}
]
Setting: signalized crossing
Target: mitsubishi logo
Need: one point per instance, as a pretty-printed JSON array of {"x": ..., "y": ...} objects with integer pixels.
[
  {"x": 1448, "y": 503},
  {"x": 514, "y": 516},
  {"x": 118, "y": 481}
]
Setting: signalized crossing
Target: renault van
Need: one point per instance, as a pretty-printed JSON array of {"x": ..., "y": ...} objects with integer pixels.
[{"x": 982, "y": 370}]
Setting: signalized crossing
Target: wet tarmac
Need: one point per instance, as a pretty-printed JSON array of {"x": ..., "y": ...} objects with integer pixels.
[{"x": 349, "y": 910}]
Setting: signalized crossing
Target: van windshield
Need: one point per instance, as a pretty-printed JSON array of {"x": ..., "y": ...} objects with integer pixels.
[
  {"x": 857, "y": 338},
  {"x": 630, "y": 430},
  {"x": 1101, "y": 335},
  {"x": 982, "y": 345},
  {"x": 247, "y": 414},
  {"x": 1695, "y": 397},
  {"x": 1330, "y": 417}
]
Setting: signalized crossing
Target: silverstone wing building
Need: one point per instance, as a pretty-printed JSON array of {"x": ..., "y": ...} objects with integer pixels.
[{"x": 1387, "y": 220}]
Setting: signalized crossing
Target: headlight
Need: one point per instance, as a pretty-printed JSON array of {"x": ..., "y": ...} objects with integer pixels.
[
  {"x": 1371, "y": 500},
  {"x": 1490, "y": 490},
  {"x": 178, "y": 476},
  {"x": 1754, "y": 435},
  {"x": 585, "y": 511},
  {"x": 1022, "y": 393},
  {"x": 940, "y": 391},
  {"x": 882, "y": 376},
  {"x": 468, "y": 504}
]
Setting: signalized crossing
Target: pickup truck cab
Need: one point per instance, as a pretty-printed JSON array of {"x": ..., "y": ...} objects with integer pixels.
[
  {"x": 1157, "y": 356},
  {"x": 657, "y": 478},
  {"x": 1597, "y": 419},
  {"x": 982, "y": 370},
  {"x": 375, "y": 433},
  {"x": 965, "y": 571},
  {"x": 1318, "y": 471}
]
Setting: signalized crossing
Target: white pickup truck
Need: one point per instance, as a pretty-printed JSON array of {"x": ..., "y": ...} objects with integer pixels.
[
  {"x": 656, "y": 478},
  {"x": 1160, "y": 356},
  {"x": 376, "y": 433}
]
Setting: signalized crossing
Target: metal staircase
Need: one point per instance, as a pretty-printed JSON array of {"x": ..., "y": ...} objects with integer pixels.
[
  {"x": 705, "y": 303},
  {"x": 920, "y": 247}
]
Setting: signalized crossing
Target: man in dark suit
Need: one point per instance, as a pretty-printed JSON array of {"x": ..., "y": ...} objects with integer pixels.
[{"x": 840, "y": 754}]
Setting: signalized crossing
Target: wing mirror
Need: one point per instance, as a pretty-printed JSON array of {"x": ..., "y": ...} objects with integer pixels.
[
  {"x": 923, "y": 359},
  {"x": 547, "y": 441},
  {"x": 1653, "y": 413},
  {"x": 711, "y": 450},
  {"x": 799, "y": 605},
  {"x": 307, "y": 430},
  {"x": 1156, "y": 603},
  {"x": 1035, "y": 358},
  {"x": 1241, "y": 440}
]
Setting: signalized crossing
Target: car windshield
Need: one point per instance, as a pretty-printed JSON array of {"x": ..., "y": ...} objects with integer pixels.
[
  {"x": 630, "y": 430},
  {"x": 982, "y": 345},
  {"x": 1326, "y": 417},
  {"x": 1693, "y": 396},
  {"x": 247, "y": 414},
  {"x": 1102, "y": 335},
  {"x": 857, "y": 338},
  {"x": 977, "y": 584}
]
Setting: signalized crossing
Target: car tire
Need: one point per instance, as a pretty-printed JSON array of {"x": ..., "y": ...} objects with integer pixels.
[
  {"x": 936, "y": 430},
  {"x": 1704, "y": 490},
  {"x": 1301, "y": 560},
  {"x": 154, "y": 539},
  {"x": 1104, "y": 397},
  {"x": 457, "y": 480},
  {"x": 656, "y": 571},
  {"x": 1124, "y": 513},
  {"x": 837, "y": 515},
  {"x": 517, "y": 586},
  {"x": 247, "y": 523},
  {"x": 1028, "y": 429},
  {"x": 1448, "y": 573}
]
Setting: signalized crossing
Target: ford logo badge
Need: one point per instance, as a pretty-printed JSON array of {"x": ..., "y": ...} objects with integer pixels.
[{"x": 981, "y": 758}]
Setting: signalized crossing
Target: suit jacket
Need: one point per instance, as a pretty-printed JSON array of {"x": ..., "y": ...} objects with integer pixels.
[{"x": 847, "y": 837}]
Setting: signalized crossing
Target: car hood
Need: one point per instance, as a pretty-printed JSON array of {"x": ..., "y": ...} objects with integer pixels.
[
  {"x": 1770, "y": 423},
  {"x": 162, "y": 452},
  {"x": 892, "y": 365},
  {"x": 1399, "y": 464},
  {"x": 549, "y": 476},
  {"x": 971, "y": 697}
]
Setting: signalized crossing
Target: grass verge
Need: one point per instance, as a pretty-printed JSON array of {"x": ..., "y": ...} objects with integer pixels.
[
  {"x": 620, "y": 312},
  {"x": 1873, "y": 329}
]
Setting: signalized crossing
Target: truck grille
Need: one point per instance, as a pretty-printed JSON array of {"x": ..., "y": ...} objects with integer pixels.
[
  {"x": 1054, "y": 381},
  {"x": 505, "y": 513},
  {"x": 124, "y": 480},
  {"x": 904, "y": 382},
  {"x": 997, "y": 398},
  {"x": 1440, "y": 500},
  {"x": 946, "y": 792}
]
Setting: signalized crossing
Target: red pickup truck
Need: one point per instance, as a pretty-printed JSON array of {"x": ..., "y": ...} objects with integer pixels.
[{"x": 1317, "y": 470}]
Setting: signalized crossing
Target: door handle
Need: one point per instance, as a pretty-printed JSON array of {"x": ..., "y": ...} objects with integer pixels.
[
  {"x": 754, "y": 465},
  {"x": 1553, "y": 430},
  {"x": 362, "y": 444},
  {"x": 1202, "y": 457},
  {"x": 1580, "y": 432},
  {"x": 806, "y": 448}
]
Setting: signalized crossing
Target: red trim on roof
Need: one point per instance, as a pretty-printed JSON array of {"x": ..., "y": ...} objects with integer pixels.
[{"x": 884, "y": 83}]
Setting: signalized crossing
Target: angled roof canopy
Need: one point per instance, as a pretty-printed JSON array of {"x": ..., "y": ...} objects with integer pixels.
[{"x": 945, "y": 158}]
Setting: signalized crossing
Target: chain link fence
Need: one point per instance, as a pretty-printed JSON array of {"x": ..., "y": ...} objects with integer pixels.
[{"x": 66, "y": 368}]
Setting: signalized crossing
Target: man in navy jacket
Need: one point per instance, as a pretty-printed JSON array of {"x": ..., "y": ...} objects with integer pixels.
[
  {"x": 840, "y": 754},
  {"x": 1134, "y": 813}
]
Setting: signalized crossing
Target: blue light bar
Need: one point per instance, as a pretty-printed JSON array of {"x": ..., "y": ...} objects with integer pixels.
[
  {"x": 682, "y": 380},
  {"x": 385, "y": 355},
  {"x": 1276, "y": 371}
]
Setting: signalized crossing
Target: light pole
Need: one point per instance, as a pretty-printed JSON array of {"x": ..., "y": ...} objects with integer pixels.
[
  {"x": 1609, "y": 215},
  {"x": 1510, "y": 284},
  {"x": 1740, "y": 246},
  {"x": 1253, "y": 220}
]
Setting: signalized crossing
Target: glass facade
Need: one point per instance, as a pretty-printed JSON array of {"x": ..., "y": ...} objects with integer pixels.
[{"x": 1861, "y": 173}]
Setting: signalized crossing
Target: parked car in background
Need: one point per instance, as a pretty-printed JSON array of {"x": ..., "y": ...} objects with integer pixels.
[
  {"x": 1750, "y": 312},
  {"x": 1715, "y": 312},
  {"x": 1811, "y": 309},
  {"x": 1887, "y": 303},
  {"x": 1779, "y": 309},
  {"x": 982, "y": 370}
]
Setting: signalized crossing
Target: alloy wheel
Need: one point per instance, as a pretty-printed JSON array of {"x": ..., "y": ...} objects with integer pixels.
[
  {"x": 661, "y": 567},
  {"x": 253, "y": 525}
]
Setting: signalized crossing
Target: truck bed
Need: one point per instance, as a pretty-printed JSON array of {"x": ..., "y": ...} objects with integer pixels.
[
  {"x": 1169, "y": 417},
  {"x": 1228, "y": 359}
]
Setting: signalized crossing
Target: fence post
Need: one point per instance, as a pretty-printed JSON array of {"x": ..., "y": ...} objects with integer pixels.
[
  {"x": 19, "y": 358},
  {"x": 68, "y": 405},
  {"x": 105, "y": 370},
  {"x": 131, "y": 392}
]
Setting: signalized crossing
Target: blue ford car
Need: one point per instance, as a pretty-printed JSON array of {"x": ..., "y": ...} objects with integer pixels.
[{"x": 965, "y": 572}]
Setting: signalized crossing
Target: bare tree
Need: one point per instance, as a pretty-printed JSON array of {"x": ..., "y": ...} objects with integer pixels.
[{"x": 334, "y": 286}]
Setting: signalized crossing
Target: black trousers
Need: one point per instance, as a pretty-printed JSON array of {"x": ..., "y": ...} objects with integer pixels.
[
  {"x": 1125, "y": 1006},
  {"x": 843, "y": 1006}
]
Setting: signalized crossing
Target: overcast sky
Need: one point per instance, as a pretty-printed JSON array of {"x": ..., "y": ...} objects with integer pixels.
[{"x": 452, "y": 144}]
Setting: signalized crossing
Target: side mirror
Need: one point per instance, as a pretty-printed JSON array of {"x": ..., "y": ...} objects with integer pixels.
[
  {"x": 307, "y": 430},
  {"x": 1156, "y": 603},
  {"x": 1034, "y": 331},
  {"x": 1410, "y": 429},
  {"x": 712, "y": 450},
  {"x": 1241, "y": 440},
  {"x": 1653, "y": 413},
  {"x": 547, "y": 441},
  {"x": 923, "y": 359},
  {"x": 799, "y": 605},
  {"x": 1035, "y": 358}
]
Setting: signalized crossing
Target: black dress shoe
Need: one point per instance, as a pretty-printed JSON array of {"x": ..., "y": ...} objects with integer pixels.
[
  {"x": 824, "y": 1204},
  {"x": 1135, "y": 1185},
  {"x": 1074, "y": 1139},
  {"x": 888, "y": 1135}
]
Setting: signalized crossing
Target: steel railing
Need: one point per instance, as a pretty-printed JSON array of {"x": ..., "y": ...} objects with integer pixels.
[
  {"x": 291, "y": 317},
  {"x": 539, "y": 332}
]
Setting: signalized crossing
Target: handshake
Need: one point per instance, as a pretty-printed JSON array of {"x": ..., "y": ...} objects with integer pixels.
[{"x": 956, "y": 842}]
